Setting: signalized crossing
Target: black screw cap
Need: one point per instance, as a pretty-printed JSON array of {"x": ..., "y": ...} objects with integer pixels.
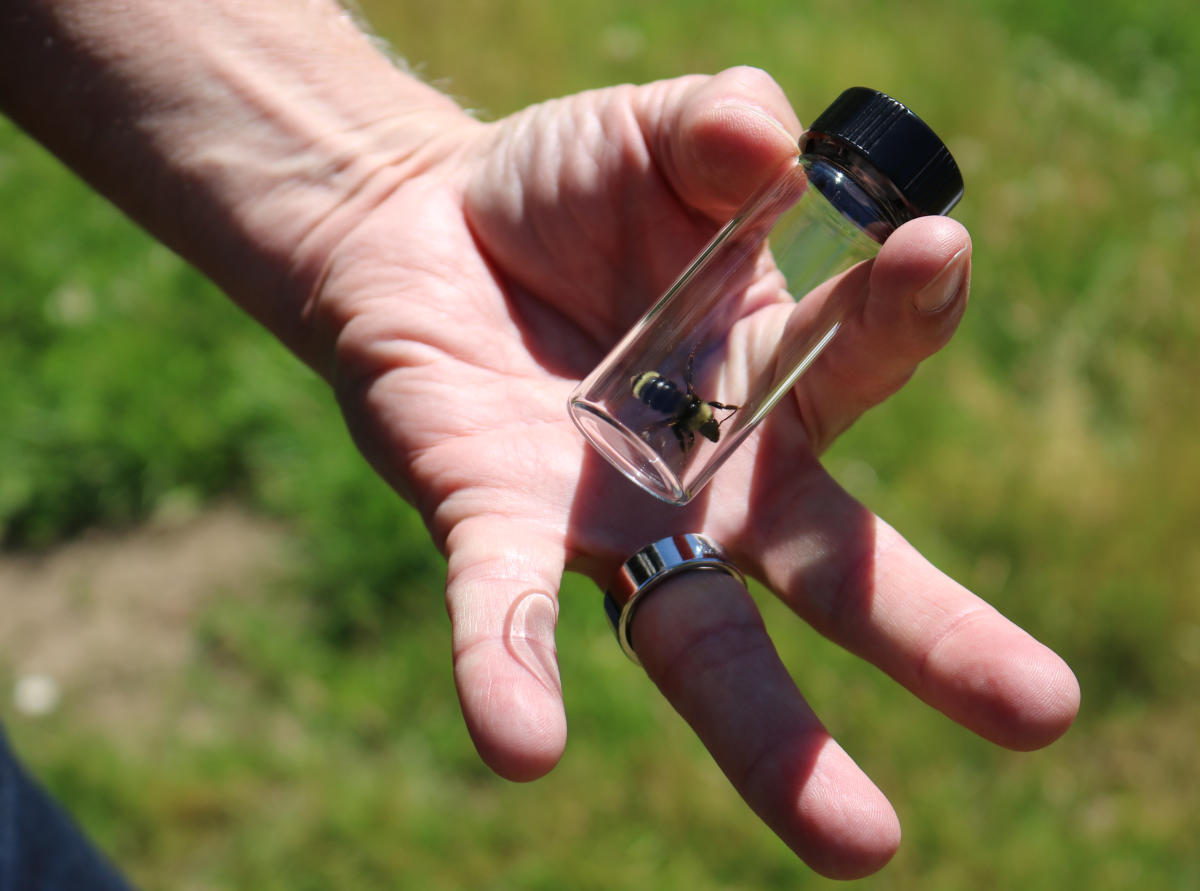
[{"x": 895, "y": 142}]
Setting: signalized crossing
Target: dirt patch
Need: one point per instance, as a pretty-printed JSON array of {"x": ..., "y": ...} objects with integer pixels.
[{"x": 100, "y": 623}]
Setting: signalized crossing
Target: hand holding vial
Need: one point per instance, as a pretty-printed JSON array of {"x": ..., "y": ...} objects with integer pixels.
[{"x": 865, "y": 167}]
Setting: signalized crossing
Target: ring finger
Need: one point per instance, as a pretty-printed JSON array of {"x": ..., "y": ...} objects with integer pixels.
[{"x": 702, "y": 641}]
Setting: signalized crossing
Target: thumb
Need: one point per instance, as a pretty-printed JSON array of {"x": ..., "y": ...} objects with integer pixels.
[
  {"x": 502, "y": 596},
  {"x": 718, "y": 138}
]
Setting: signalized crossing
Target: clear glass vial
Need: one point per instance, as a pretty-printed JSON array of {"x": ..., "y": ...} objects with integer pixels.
[{"x": 731, "y": 336}]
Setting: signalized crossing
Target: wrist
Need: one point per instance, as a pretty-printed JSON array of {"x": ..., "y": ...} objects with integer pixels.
[{"x": 247, "y": 137}]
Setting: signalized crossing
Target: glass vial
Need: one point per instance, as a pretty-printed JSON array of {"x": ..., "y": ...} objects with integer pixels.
[{"x": 732, "y": 335}]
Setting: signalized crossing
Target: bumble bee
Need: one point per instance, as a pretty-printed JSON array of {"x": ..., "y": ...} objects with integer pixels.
[{"x": 689, "y": 413}]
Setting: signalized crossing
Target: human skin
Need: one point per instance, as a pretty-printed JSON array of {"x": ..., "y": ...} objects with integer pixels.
[{"x": 453, "y": 280}]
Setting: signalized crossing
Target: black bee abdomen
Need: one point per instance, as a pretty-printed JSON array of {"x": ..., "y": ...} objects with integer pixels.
[{"x": 658, "y": 392}]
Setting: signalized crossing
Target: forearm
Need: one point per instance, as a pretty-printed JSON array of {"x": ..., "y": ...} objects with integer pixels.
[{"x": 246, "y": 136}]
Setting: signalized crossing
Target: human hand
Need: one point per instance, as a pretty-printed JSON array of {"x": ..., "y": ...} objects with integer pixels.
[
  {"x": 456, "y": 279},
  {"x": 462, "y": 309}
]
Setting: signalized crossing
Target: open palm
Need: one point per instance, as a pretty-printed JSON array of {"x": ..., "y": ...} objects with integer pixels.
[{"x": 471, "y": 300}]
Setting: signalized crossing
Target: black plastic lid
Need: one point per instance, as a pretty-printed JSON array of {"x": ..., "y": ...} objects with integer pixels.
[{"x": 893, "y": 140}]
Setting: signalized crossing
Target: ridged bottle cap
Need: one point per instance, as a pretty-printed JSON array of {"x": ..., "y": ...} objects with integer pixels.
[{"x": 895, "y": 142}]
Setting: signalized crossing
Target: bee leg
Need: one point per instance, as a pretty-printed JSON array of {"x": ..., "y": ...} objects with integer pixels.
[
  {"x": 685, "y": 444},
  {"x": 689, "y": 373}
]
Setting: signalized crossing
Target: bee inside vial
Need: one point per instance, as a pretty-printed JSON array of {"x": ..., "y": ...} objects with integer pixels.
[{"x": 689, "y": 414}]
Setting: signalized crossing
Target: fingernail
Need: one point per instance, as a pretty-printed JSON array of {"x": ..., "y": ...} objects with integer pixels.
[
  {"x": 530, "y": 636},
  {"x": 946, "y": 285}
]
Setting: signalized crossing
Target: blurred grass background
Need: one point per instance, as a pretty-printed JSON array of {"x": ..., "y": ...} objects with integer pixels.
[{"x": 1046, "y": 459}]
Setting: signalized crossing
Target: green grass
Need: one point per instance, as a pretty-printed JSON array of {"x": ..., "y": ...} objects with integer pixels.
[{"x": 1046, "y": 459}]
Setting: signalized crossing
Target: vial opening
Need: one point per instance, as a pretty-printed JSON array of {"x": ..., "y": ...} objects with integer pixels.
[{"x": 635, "y": 458}]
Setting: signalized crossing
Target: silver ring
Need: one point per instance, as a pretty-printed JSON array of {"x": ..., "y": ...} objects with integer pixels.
[{"x": 651, "y": 565}]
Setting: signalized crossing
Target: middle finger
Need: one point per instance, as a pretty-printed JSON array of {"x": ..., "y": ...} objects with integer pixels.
[{"x": 858, "y": 582}]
